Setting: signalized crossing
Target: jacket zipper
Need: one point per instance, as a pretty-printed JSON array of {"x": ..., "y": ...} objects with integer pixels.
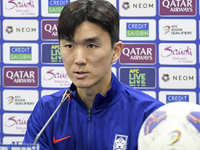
[{"x": 89, "y": 124}]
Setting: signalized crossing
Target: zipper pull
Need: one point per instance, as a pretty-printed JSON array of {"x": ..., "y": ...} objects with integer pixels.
[{"x": 89, "y": 115}]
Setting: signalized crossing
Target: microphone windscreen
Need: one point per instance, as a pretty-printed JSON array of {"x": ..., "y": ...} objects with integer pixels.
[{"x": 67, "y": 95}]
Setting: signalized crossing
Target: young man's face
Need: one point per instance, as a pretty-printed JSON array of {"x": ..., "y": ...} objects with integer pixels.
[{"x": 88, "y": 57}]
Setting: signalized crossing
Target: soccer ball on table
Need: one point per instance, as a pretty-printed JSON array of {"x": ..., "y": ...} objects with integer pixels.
[{"x": 174, "y": 126}]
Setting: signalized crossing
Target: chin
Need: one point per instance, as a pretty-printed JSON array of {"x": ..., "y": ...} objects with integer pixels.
[{"x": 82, "y": 85}]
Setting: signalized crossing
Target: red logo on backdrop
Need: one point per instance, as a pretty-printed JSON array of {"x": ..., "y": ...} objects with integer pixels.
[
  {"x": 12, "y": 121},
  {"x": 20, "y": 76},
  {"x": 49, "y": 29},
  {"x": 177, "y": 8},
  {"x": 138, "y": 53}
]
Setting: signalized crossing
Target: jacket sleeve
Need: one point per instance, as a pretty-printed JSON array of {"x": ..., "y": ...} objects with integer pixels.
[
  {"x": 34, "y": 125},
  {"x": 152, "y": 107}
]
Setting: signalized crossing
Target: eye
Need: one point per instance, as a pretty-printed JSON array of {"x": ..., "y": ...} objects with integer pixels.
[
  {"x": 69, "y": 46},
  {"x": 91, "y": 46}
]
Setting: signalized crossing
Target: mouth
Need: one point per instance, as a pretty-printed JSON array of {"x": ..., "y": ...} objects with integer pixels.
[{"x": 80, "y": 74}]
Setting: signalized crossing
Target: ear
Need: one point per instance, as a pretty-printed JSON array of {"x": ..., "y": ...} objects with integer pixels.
[{"x": 117, "y": 50}]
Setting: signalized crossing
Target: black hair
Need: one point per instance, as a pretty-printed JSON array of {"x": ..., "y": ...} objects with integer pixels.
[{"x": 100, "y": 12}]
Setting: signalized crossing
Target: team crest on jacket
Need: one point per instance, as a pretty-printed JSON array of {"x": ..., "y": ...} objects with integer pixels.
[{"x": 120, "y": 142}]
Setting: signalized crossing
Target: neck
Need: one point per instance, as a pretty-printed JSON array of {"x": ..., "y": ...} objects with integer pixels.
[{"x": 87, "y": 95}]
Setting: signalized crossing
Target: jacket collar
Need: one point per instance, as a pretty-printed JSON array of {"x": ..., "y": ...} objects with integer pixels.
[{"x": 101, "y": 101}]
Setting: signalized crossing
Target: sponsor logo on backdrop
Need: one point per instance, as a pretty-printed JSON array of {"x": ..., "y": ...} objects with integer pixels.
[
  {"x": 138, "y": 77},
  {"x": 51, "y": 53},
  {"x": 20, "y": 53},
  {"x": 15, "y": 123},
  {"x": 9, "y": 29},
  {"x": 20, "y": 8},
  {"x": 177, "y": 78},
  {"x": 177, "y": 53},
  {"x": 130, "y": 8},
  {"x": 177, "y": 7},
  {"x": 125, "y": 5},
  {"x": 55, "y": 77},
  {"x": 20, "y": 30},
  {"x": 52, "y": 8},
  {"x": 13, "y": 140},
  {"x": 20, "y": 76},
  {"x": 177, "y": 29},
  {"x": 138, "y": 53},
  {"x": 56, "y": 6},
  {"x": 165, "y": 77},
  {"x": 19, "y": 100},
  {"x": 137, "y": 30},
  {"x": 177, "y": 96},
  {"x": 49, "y": 30},
  {"x": 174, "y": 30},
  {"x": 166, "y": 28}
]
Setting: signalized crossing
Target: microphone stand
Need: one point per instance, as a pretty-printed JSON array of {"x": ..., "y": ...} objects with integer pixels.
[{"x": 66, "y": 97}]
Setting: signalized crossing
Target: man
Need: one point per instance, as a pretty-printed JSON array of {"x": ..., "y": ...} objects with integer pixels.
[{"x": 103, "y": 114}]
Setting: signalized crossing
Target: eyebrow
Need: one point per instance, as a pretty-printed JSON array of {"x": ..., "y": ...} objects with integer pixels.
[
  {"x": 67, "y": 38},
  {"x": 92, "y": 39}
]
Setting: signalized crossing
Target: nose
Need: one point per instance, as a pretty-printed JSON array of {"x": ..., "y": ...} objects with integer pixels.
[{"x": 80, "y": 57}]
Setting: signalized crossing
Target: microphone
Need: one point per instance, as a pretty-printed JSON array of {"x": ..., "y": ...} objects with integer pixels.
[{"x": 65, "y": 97}]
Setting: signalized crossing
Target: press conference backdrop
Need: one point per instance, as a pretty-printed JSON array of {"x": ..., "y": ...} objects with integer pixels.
[{"x": 160, "y": 54}]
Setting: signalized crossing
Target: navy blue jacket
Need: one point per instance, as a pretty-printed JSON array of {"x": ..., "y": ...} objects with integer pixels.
[{"x": 113, "y": 122}]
